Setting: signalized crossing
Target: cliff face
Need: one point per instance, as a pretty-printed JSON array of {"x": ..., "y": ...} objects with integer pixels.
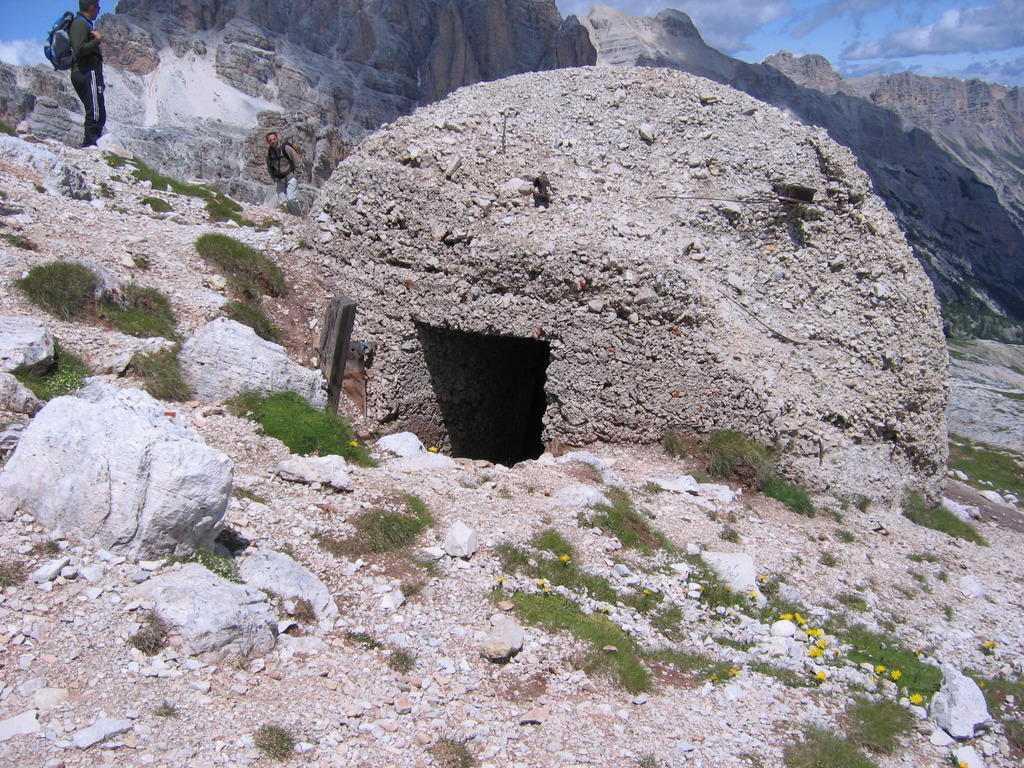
[
  {"x": 947, "y": 176},
  {"x": 195, "y": 83}
]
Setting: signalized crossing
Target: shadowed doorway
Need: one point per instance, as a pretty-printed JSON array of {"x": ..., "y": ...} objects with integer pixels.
[{"x": 490, "y": 391}]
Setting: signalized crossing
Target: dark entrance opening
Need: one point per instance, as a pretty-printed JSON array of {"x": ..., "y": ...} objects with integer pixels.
[{"x": 490, "y": 390}]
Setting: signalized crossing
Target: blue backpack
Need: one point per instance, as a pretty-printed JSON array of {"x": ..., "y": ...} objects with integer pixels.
[{"x": 58, "y": 43}]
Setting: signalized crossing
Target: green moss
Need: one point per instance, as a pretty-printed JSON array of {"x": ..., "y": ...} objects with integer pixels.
[
  {"x": 157, "y": 204},
  {"x": 877, "y": 725},
  {"x": 940, "y": 519},
  {"x": 161, "y": 375},
  {"x": 794, "y": 498},
  {"x": 246, "y": 269},
  {"x": 736, "y": 457},
  {"x": 63, "y": 288},
  {"x": 221, "y": 565},
  {"x": 65, "y": 376},
  {"x": 248, "y": 313},
  {"x": 305, "y": 430},
  {"x": 142, "y": 312},
  {"x": 822, "y": 748}
]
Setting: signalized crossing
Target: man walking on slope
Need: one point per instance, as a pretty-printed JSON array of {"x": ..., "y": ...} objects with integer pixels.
[
  {"x": 87, "y": 72},
  {"x": 282, "y": 162}
]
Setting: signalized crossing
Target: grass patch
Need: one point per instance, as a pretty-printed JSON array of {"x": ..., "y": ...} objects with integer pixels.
[
  {"x": 384, "y": 530},
  {"x": 730, "y": 534},
  {"x": 161, "y": 375},
  {"x": 401, "y": 661},
  {"x": 988, "y": 467},
  {"x": 621, "y": 520},
  {"x": 63, "y": 288},
  {"x": 142, "y": 312},
  {"x": 922, "y": 558},
  {"x": 7, "y": 128},
  {"x": 794, "y": 498},
  {"x": 115, "y": 161},
  {"x": 822, "y": 748},
  {"x": 828, "y": 560},
  {"x": 166, "y": 709},
  {"x": 733, "y": 456},
  {"x": 363, "y": 639},
  {"x": 157, "y": 205},
  {"x": 675, "y": 444},
  {"x": 452, "y": 753},
  {"x": 556, "y": 613},
  {"x": 220, "y": 207},
  {"x": 553, "y": 542},
  {"x": 248, "y": 313},
  {"x": 222, "y": 565},
  {"x": 853, "y": 601},
  {"x": 64, "y": 376},
  {"x": 274, "y": 742},
  {"x": 877, "y": 725},
  {"x": 305, "y": 430},
  {"x": 242, "y": 493},
  {"x": 246, "y": 269},
  {"x": 1005, "y": 700},
  {"x": 940, "y": 519},
  {"x": 18, "y": 241},
  {"x": 647, "y": 761},
  {"x": 881, "y": 649},
  {"x": 694, "y": 664},
  {"x": 152, "y": 637},
  {"x": 845, "y": 536},
  {"x": 12, "y": 573}
]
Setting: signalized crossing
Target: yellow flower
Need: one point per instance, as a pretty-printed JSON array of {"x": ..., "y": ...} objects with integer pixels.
[
  {"x": 963, "y": 764},
  {"x": 786, "y": 617},
  {"x": 815, "y": 632},
  {"x": 990, "y": 644},
  {"x": 821, "y": 644},
  {"x": 874, "y": 679},
  {"x": 734, "y": 671},
  {"x": 753, "y": 595},
  {"x": 648, "y": 592},
  {"x": 501, "y": 579},
  {"x": 353, "y": 443},
  {"x": 820, "y": 675},
  {"x": 879, "y": 669},
  {"x": 714, "y": 677},
  {"x": 916, "y": 698},
  {"x": 762, "y": 577},
  {"x": 981, "y": 683},
  {"x": 541, "y": 582},
  {"x": 607, "y": 609},
  {"x": 895, "y": 674},
  {"x": 564, "y": 558},
  {"x": 546, "y": 590},
  {"x": 432, "y": 449},
  {"x": 814, "y": 653}
]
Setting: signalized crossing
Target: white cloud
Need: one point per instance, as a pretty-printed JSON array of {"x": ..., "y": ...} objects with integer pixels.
[
  {"x": 834, "y": 9},
  {"x": 22, "y": 52},
  {"x": 994, "y": 27},
  {"x": 724, "y": 24}
]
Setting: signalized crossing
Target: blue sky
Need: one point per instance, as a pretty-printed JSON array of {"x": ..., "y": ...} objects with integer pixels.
[{"x": 960, "y": 38}]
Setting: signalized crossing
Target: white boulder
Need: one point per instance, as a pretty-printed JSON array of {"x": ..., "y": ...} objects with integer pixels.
[
  {"x": 16, "y": 397},
  {"x": 101, "y": 730},
  {"x": 24, "y": 341},
  {"x": 401, "y": 444},
  {"x": 117, "y": 473},
  {"x": 504, "y": 640},
  {"x": 736, "y": 570},
  {"x": 280, "y": 574},
  {"x": 329, "y": 470},
  {"x": 210, "y": 613},
  {"x": 460, "y": 541},
  {"x": 224, "y": 358},
  {"x": 421, "y": 462},
  {"x": 44, "y": 167},
  {"x": 959, "y": 707},
  {"x": 580, "y": 495},
  {"x": 20, "y": 725}
]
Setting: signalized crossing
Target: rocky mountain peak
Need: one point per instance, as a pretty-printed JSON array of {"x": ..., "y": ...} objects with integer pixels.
[{"x": 811, "y": 70}]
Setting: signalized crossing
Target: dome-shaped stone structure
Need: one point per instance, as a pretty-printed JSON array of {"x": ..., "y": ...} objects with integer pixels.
[{"x": 705, "y": 262}]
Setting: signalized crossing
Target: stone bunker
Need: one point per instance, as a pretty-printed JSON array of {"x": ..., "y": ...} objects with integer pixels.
[{"x": 706, "y": 263}]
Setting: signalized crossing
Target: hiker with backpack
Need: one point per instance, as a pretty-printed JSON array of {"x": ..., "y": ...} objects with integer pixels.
[
  {"x": 282, "y": 163},
  {"x": 74, "y": 44}
]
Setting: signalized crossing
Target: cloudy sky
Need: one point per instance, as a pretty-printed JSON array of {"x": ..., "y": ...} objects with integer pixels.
[{"x": 962, "y": 38}]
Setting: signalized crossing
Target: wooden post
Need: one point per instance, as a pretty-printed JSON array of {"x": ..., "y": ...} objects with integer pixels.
[{"x": 334, "y": 343}]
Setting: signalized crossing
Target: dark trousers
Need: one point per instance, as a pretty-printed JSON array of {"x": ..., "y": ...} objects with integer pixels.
[{"x": 89, "y": 87}]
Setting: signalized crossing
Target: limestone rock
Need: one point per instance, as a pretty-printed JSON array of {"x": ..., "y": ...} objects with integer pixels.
[
  {"x": 329, "y": 470},
  {"x": 959, "y": 707},
  {"x": 968, "y": 757},
  {"x": 736, "y": 569},
  {"x": 401, "y": 444},
  {"x": 24, "y": 341},
  {"x": 19, "y": 725},
  {"x": 580, "y": 495},
  {"x": 460, "y": 541},
  {"x": 224, "y": 358},
  {"x": 16, "y": 397},
  {"x": 421, "y": 462},
  {"x": 118, "y": 474},
  {"x": 210, "y": 613},
  {"x": 44, "y": 167},
  {"x": 101, "y": 730},
  {"x": 504, "y": 640},
  {"x": 280, "y": 574}
]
